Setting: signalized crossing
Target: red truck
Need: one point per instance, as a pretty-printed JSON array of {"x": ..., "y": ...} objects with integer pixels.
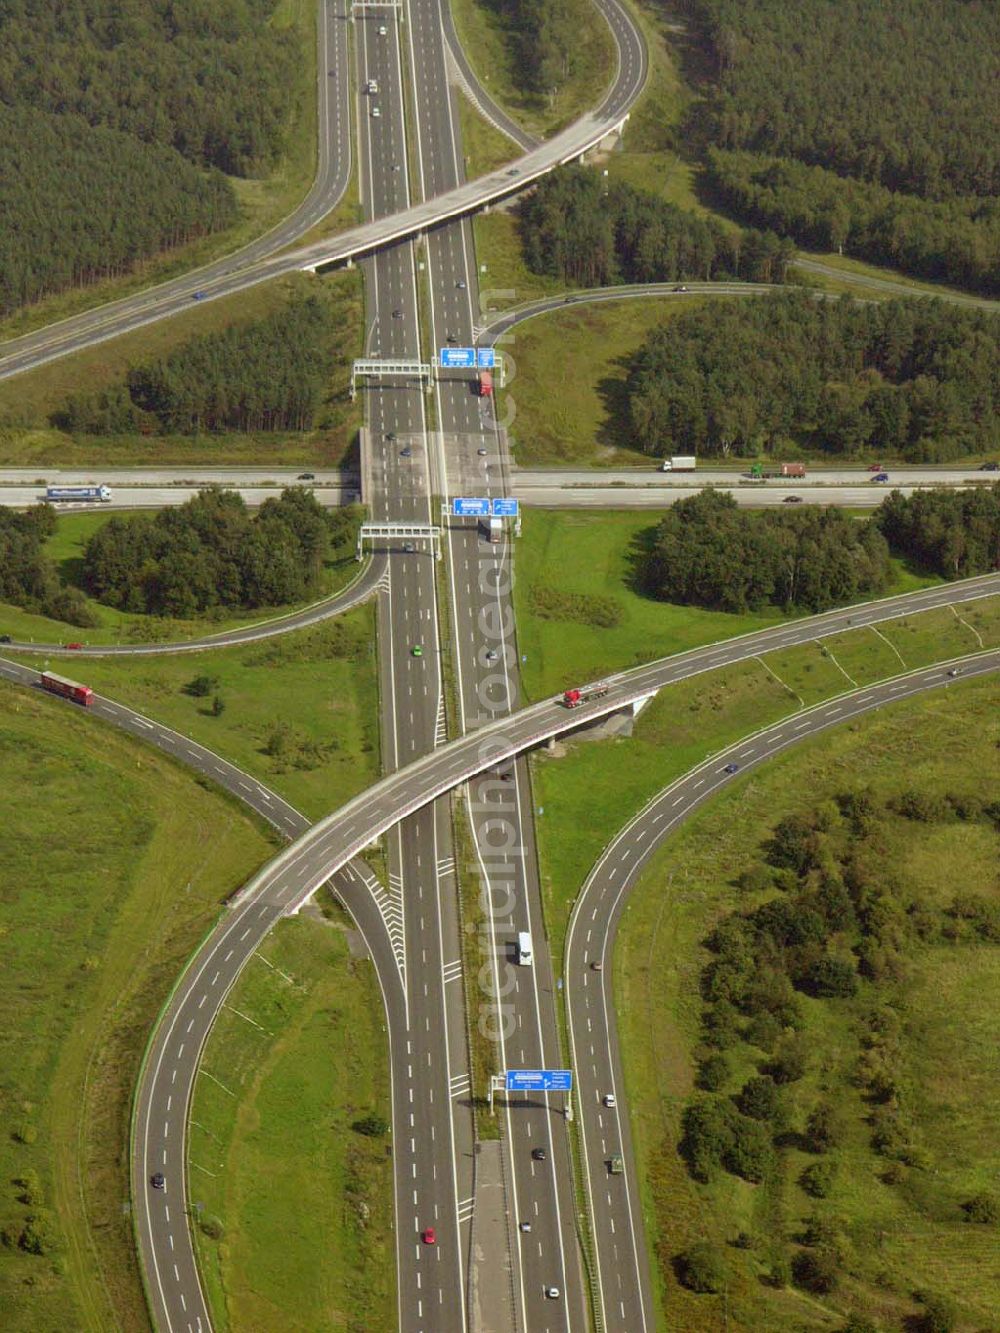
[
  {"x": 69, "y": 689},
  {"x": 793, "y": 469},
  {"x": 485, "y": 384},
  {"x": 574, "y": 698}
]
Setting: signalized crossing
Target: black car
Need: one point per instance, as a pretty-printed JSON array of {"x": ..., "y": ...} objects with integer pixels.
[
  {"x": 405, "y": 453},
  {"x": 989, "y": 467},
  {"x": 307, "y": 476},
  {"x": 5, "y": 638},
  {"x": 539, "y": 1154},
  {"x": 157, "y": 1181},
  {"x": 731, "y": 768}
]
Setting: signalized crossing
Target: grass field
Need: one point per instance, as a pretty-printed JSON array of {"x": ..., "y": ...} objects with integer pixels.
[
  {"x": 263, "y": 202},
  {"x": 591, "y": 790},
  {"x": 583, "y": 563},
  {"x": 66, "y": 546},
  {"x": 301, "y": 711},
  {"x": 565, "y": 400},
  {"x": 893, "y": 1238},
  {"x": 296, "y": 1206},
  {"x": 26, "y": 401},
  {"x": 114, "y": 865},
  {"x": 488, "y": 49}
]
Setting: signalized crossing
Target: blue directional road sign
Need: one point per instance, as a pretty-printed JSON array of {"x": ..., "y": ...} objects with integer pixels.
[
  {"x": 471, "y": 508},
  {"x": 505, "y": 508},
  {"x": 486, "y": 358},
  {"x": 539, "y": 1080},
  {"x": 458, "y": 358}
]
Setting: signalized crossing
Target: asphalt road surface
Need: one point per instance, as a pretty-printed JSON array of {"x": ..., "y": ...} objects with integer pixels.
[
  {"x": 614, "y": 1201},
  {"x": 594, "y": 496}
]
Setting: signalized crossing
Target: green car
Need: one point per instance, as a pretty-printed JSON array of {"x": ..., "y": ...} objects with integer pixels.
[{"x": 416, "y": 651}]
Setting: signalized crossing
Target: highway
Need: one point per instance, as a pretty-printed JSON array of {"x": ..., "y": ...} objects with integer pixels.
[
  {"x": 468, "y": 447},
  {"x": 615, "y": 1201},
  {"x": 294, "y": 875}
]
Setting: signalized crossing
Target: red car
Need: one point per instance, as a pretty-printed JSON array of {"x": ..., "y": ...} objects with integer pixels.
[
  {"x": 75, "y": 646},
  {"x": 429, "y": 1237},
  {"x": 875, "y": 467}
]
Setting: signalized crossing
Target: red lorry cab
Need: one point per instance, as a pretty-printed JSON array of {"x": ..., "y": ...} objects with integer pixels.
[{"x": 485, "y": 384}]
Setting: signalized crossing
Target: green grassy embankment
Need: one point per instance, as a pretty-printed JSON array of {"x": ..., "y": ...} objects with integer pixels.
[
  {"x": 27, "y": 401},
  {"x": 895, "y": 1227},
  {"x": 115, "y": 863},
  {"x": 66, "y": 547},
  {"x": 484, "y": 148},
  {"x": 591, "y": 790},
  {"x": 299, "y": 711},
  {"x": 295, "y": 1206},
  {"x": 264, "y": 202}
]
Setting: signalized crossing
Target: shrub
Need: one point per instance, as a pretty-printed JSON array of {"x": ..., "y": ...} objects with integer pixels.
[
  {"x": 702, "y": 1268},
  {"x": 825, "y": 1127},
  {"x": 790, "y": 1058},
  {"x": 39, "y": 1235},
  {"x": 938, "y": 1314},
  {"x": 201, "y": 687},
  {"x": 758, "y": 1098},
  {"x": 857, "y": 1323},
  {"x": 30, "y": 1188},
  {"x": 982, "y": 1207},
  {"x": 713, "y": 1072},
  {"x": 750, "y": 1154},
  {"x": 757, "y": 879},
  {"x": 817, "y": 1179},
  {"x": 709, "y": 1129},
  {"x": 218, "y": 706},
  {"x": 371, "y": 1125},
  {"x": 830, "y": 978},
  {"x": 815, "y": 1270}
]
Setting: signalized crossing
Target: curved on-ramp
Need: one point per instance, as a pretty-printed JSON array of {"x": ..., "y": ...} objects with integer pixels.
[
  {"x": 363, "y": 586},
  {"x": 621, "y": 1256}
]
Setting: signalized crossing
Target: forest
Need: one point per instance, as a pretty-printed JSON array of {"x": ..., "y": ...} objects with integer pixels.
[
  {"x": 68, "y": 197},
  {"x": 577, "y": 227},
  {"x": 115, "y": 152},
  {"x": 212, "y": 553},
  {"x": 918, "y": 380},
  {"x": 28, "y": 577},
  {"x": 950, "y": 240},
  {"x": 900, "y": 98},
  {"x": 708, "y": 552},
  {"x": 269, "y": 375},
  {"x": 952, "y": 533}
]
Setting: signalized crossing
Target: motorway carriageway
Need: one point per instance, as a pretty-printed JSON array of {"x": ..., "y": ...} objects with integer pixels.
[{"x": 615, "y": 1201}]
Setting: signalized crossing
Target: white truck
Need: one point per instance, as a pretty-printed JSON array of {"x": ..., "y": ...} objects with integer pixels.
[
  {"x": 68, "y": 494},
  {"x": 492, "y": 530},
  {"x": 679, "y": 463}
]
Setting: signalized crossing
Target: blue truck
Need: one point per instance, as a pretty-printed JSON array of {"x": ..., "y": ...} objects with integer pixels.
[{"x": 62, "y": 494}]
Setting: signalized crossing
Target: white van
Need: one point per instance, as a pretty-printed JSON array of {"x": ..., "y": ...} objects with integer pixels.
[{"x": 524, "y": 948}]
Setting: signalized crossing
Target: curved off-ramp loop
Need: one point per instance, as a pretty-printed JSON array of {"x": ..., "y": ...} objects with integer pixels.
[
  {"x": 621, "y": 1254},
  {"x": 363, "y": 586},
  {"x": 355, "y": 885}
]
